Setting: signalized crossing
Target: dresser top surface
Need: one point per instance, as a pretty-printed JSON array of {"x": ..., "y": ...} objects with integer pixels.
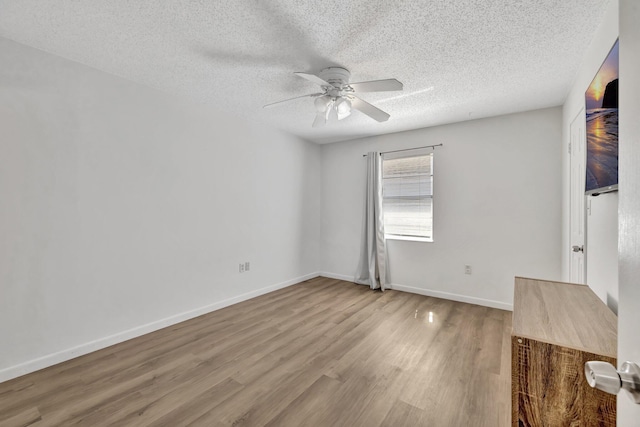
[{"x": 565, "y": 314}]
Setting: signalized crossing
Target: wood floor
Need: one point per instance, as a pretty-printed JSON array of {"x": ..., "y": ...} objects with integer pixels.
[{"x": 321, "y": 353}]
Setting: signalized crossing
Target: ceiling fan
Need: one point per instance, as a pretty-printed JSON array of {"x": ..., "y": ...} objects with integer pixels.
[{"x": 337, "y": 98}]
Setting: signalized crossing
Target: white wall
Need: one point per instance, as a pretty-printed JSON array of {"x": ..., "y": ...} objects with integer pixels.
[
  {"x": 124, "y": 209},
  {"x": 599, "y": 269},
  {"x": 497, "y": 207},
  {"x": 602, "y": 247}
]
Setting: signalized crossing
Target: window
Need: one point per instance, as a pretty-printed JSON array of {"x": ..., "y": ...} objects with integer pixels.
[{"x": 407, "y": 194}]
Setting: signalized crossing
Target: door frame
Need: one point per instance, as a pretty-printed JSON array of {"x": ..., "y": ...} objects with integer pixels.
[{"x": 581, "y": 208}]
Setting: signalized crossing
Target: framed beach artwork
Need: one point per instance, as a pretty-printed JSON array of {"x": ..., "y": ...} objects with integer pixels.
[{"x": 602, "y": 127}]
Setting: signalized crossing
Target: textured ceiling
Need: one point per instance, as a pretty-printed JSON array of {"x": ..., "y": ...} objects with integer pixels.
[{"x": 458, "y": 59}]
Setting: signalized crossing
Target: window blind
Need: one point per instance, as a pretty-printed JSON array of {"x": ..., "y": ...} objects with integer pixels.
[{"x": 407, "y": 193}]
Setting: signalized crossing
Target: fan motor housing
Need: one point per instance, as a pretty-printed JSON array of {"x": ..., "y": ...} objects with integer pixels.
[{"x": 337, "y": 76}]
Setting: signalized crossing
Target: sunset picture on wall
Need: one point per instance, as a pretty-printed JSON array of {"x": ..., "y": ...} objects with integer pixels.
[{"x": 602, "y": 127}]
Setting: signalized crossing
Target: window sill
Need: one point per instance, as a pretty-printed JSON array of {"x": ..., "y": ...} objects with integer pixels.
[{"x": 410, "y": 238}]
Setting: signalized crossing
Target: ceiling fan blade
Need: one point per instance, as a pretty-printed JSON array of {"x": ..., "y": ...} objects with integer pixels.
[
  {"x": 377, "y": 86},
  {"x": 321, "y": 120},
  {"x": 374, "y": 112},
  {"x": 313, "y": 78},
  {"x": 291, "y": 99}
]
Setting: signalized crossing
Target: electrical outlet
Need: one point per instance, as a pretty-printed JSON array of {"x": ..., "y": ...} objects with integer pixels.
[
  {"x": 246, "y": 266},
  {"x": 241, "y": 267},
  {"x": 467, "y": 269}
]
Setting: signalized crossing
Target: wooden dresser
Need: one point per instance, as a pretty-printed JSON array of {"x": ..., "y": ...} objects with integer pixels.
[{"x": 557, "y": 327}]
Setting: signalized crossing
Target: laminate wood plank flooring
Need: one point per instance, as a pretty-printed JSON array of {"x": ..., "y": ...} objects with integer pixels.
[{"x": 323, "y": 352}]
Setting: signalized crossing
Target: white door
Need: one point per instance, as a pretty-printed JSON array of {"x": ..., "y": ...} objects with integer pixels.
[
  {"x": 577, "y": 215},
  {"x": 629, "y": 201}
]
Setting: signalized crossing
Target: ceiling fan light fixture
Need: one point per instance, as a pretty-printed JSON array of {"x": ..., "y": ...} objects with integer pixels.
[
  {"x": 322, "y": 103},
  {"x": 343, "y": 108}
]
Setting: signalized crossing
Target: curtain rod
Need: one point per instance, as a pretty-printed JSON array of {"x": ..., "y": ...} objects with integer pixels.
[{"x": 407, "y": 149}]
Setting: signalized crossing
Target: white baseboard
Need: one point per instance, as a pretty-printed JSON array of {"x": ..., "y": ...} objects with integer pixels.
[
  {"x": 82, "y": 349},
  {"x": 431, "y": 293},
  {"x": 337, "y": 276},
  {"x": 454, "y": 297}
]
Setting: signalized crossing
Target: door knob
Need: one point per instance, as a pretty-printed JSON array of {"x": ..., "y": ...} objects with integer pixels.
[
  {"x": 605, "y": 377},
  {"x": 577, "y": 248}
]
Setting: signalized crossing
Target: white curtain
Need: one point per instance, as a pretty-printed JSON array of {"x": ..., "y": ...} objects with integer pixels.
[{"x": 372, "y": 269}]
